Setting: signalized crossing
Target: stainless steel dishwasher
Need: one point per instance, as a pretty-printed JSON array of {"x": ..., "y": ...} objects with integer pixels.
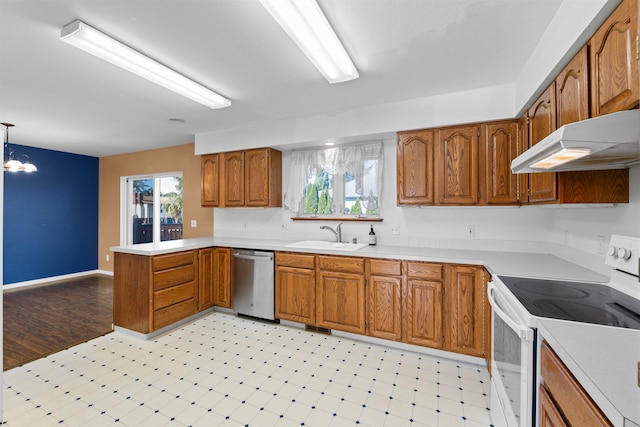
[{"x": 253, "y": 283}]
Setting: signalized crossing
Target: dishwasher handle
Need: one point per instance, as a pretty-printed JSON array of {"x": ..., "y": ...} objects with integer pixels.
[{"x": 252, "y": 257}]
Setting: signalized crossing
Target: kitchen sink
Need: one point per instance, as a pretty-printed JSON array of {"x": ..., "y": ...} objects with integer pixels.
[{"x": 321, "y": 244}]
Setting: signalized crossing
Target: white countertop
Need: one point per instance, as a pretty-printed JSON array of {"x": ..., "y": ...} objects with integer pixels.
[
  {"x": 603, "y": 359},
  {"x": 500, "y": 263}
]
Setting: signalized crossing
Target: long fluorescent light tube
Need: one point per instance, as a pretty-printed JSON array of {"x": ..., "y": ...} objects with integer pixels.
[
  {"x": 90, "y": 40},
  {"x": 305, "y": 23},
  {"x": 560, "y": 157}
]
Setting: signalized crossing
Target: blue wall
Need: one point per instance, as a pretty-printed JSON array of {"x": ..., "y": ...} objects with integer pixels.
[{"x": 50, "y": 216}]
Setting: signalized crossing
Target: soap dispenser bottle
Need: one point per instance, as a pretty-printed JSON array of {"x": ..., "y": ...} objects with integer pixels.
[{"x": 372, "y": 237}]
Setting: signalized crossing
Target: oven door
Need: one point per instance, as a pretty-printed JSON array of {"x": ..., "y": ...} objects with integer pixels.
[{"x": 512, "y": 363}]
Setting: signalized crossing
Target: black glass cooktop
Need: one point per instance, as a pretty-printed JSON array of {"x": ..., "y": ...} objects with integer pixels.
[{"x": 576, "y": 301}]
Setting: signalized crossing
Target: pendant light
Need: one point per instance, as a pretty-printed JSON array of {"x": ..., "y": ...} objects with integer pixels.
[{"x": 11, "y": 163}]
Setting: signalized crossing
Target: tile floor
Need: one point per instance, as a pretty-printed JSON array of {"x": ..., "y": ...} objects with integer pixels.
[{"x": 229, "y": 371}]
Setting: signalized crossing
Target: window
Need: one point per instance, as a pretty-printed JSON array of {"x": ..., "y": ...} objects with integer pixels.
[
  {"x": 343, "y": 181},
  {"x": 149, "y": 197}
]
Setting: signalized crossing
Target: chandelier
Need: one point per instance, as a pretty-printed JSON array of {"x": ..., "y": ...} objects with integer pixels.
[{"x": 11, "y": 162}]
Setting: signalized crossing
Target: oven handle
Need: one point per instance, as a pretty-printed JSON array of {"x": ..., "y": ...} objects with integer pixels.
[{"x": 524, "y": 332}]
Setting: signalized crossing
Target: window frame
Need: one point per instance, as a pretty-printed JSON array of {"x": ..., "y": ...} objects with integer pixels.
[{"x": 126, "y": 186}]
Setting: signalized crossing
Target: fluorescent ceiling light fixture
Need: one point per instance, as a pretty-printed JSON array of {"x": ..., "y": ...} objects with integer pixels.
[
  {"x": 305, "y": 23},
  {"x": 561, "y": 157},
  {"x": 90, "y": 40}
]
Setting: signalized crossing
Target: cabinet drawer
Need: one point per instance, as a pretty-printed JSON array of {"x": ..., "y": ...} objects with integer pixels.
[
  {"x": 385, "y": 267},
  {"x": 341, "y": 264},
  {"x": 173, "y": 313},
  {"x": 174, "y": 276},
  {"x": 568, "y": 395},
  {"x": 163, "y": 262},
  {"x": 295, "y": 260},
  {"x": 174, "y": 294},
  {"x": 425, "y": 270}
]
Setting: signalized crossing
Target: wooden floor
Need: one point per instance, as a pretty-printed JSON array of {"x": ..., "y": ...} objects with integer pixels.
[{"x": 45, "y": 319}]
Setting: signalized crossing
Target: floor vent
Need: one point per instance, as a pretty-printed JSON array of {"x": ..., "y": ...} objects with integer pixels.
[{"x": 317, "y": 329}]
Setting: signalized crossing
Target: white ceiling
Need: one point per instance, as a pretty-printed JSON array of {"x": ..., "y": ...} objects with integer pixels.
[{"x": 64, "y": 99}]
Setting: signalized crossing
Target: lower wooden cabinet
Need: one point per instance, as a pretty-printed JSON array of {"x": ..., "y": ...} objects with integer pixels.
[
  {"x": 223, "y": 278},
  {"x": 422, "y": 305},
  {"x": 563, "y": 401},
  {"x": 295, "y": 288},
  {"x": 340, "y": 296},
  {"x": 151, "y": 292},
  {"x": 206, "y": 268},
  {"x": 465, "y": 309},
  {"x": 384, "y": 304}
]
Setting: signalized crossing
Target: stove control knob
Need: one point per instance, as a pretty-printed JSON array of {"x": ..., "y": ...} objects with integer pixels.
[
  {"x": 613, "y": 251},
  {"x": 624, "y": 253}
]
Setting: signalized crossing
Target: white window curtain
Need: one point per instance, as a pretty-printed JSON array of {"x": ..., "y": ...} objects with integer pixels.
[{"x": 338, "y": 160}]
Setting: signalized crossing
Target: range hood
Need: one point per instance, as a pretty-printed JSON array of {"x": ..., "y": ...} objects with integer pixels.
[{"x": 606, "y": 142}]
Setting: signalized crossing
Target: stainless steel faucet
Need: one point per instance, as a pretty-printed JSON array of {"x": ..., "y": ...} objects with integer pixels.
[{"x": 337, "y": 232}]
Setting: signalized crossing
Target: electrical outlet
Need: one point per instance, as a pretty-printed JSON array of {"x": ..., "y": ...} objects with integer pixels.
[
  {"x": 107, "y": 258},
  {"x": 395, "y": 229},
  {"x": 601, "y": 245},
  {"x": 194, "y": 223},
  {"x": 471, "y": 232},
  {"x": 284, "y": 227},
  {"x": 244, "y": 226}
]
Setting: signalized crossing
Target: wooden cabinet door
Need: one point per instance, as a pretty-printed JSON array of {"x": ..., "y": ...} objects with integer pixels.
[
  {"x": 501, "y": 148},
  {"x": 223, "y": 278},
  {"x": 210, "y": 179},
  {"x": 542, "y": 121},
  {"x": 464, "y": 314},
  {"x": 615, "y": 84},
  {"x": 296, "y": 294},
  {"x": 523, "y": 145},
  {"x": 384, "y": 307},
  {"x": 549, "y": 414},
  {"x": 233, "y": 178},
  {"x": 415, "y": 168},
  {"x": 422, "y": 313},
  {"x": 256, "y": 179},
  {"x": 457, "y": 165},
  {"x": 205, "y": 278},
  {"x": 572, "y": 90},
  {"x": 340, "y": 301}
]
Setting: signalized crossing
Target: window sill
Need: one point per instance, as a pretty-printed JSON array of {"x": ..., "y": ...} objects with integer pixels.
[{"x": 337, "y": 218}]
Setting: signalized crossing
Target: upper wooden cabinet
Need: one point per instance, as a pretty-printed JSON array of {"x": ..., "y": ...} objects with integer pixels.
[
  {"x": 501, "y": 147},
  {"x": 210, "y": 180},
  {"x": 457, "y": 165},
  {"x": 415, "y": 168},
  {"x": 615, "y": 81},
  {"x": 251, "y": 178},
  {"x": 572, "y": 90},
  {"x": 233, "y": 178},
  {"x": 263, "y": 177},
  {"x": 542, "y": 122}
]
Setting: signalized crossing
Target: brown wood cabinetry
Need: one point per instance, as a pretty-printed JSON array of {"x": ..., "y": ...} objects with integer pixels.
[
  {"x": 500, "y": 148},
  {"x": 151, "y": 292},
  {"x": 295, "y": 287},
  {"x": 223, "y": 278},
  {"x": 384, "y": 305},
  {"x": 457, "y": 165},
  {"x": 572, "y": 90},
  {"x": 542, "y": 122},
  {"x": 233, "y": 178},
  {"x": 465, "y": 309},
  {"x": 615, "y": 81},
  {"x": 251, "y": 178},
  {"x": 206, "y": 274},
  {"x": 340, "y": 295},
  {"x": 422, "y": 301},
  {"x": 263, "y": 177},
  {"x": 415, "y": 168},
  {"x": 210, "y": 180},
  {"x": 563, "y": 401}
]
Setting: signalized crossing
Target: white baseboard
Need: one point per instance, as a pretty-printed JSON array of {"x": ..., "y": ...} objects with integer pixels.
[{"x": 52, "y": 279}]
